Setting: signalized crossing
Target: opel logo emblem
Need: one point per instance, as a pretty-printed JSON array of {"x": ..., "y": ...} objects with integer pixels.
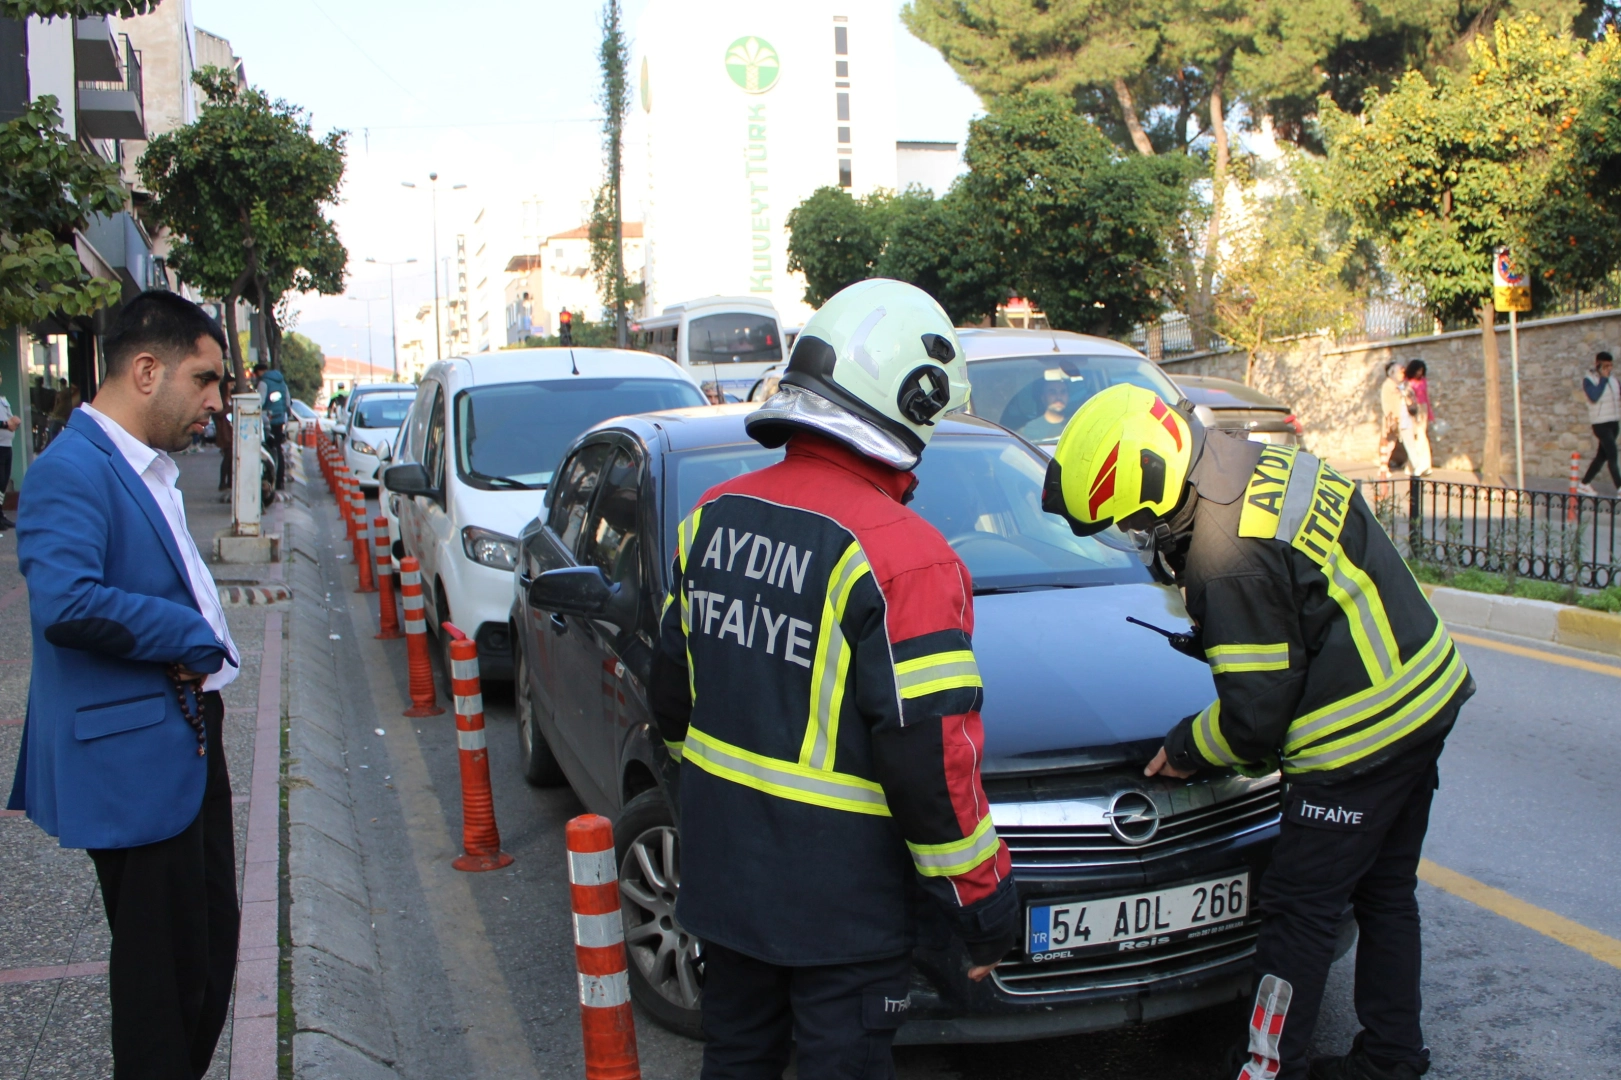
[{"x": 1133, "y": 818}]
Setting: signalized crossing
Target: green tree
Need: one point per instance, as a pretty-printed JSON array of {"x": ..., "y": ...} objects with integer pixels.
[
  {"x": 947, "y": 249},
  {"x": 56, "y": 9},
  {"x": 586, "y": 335},
  {"x": 607, "y": 224},
  {"x": 1082, "y": 232},
  {"x": 835, "y": 239},
  {"x": 49, "y": 186},
  {"x": 244, "y": 187},
  {"x": 1442, "y": 171},
  {"x": 302, "y": 363}
]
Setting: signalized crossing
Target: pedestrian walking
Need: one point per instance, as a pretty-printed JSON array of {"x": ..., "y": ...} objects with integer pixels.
[
  {"x": 121, "y": 749},
  {"x": 1393, "y": 419},
  {"x": 1416, "y": 395},
  {"x": 273, "y": 395},
  {"x": 1604, "y": 414},
  {"x": 8, "y": 429},
  {"x": 1329, "y": 663},
  {"x": 830, "y": 725}
]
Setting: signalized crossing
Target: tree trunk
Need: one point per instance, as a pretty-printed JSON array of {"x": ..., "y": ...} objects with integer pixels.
[
  {"x": 1218, "y": 193},
  {"x": 1491, "y": 458},
  {"x": 1128, "y": 109},
  {"x": 238, "y": 371}
]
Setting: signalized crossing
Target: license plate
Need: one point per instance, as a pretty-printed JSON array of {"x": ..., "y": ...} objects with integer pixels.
[{"x": 1141, "y": 921}]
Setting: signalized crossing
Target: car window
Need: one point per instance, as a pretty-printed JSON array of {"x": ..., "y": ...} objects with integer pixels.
[
  {"x": 433, "y": 443},
  {"x": 378, "y": 411},
  {"x": 611, "y": 540},
  {"x": 982, "y": 492},
  {"x": 571, "y": 496},
  {"x": 733, "y": 337},
  {"x": 1036, "y": 395},
  {"x": 510, "y": 435},
  {"x": 417, "y": 422}
]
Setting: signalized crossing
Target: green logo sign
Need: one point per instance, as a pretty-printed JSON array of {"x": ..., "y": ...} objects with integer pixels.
[{"x": 752, "y": 63}]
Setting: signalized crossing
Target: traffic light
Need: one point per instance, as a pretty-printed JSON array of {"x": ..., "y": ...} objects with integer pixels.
[{"x": 565, "y": 328}]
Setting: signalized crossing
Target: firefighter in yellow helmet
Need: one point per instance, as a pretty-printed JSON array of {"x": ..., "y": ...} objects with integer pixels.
[{"x": 1329, "y": 664}]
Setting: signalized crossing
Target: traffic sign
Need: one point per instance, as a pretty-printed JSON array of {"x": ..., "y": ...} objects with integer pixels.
[{"x": 1511, "y": 290}]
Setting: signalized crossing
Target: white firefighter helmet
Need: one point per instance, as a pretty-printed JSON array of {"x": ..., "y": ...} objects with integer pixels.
[{"x": 875, "y": 367}]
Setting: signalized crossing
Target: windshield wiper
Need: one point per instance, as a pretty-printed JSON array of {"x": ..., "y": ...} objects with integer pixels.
[
  {"x": 500, "y": 481},
  {"x": 994, "y": 590}
]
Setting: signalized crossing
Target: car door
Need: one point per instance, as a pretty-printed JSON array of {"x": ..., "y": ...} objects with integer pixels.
[
  {"x": 563, "y": 661},
  {"x": 621, "y": 641},
  {"x": 409, "y": 508},
  {"x": 432, "y": 521}
]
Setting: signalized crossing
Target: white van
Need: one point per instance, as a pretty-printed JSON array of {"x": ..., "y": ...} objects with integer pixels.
[{"x": 726, "y": 342}]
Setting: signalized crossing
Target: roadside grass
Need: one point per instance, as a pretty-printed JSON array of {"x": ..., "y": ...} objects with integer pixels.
[{"x": 1481, "y": 581}]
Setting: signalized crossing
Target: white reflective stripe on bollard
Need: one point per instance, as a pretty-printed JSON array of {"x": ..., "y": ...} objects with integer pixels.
[
  {"x": 599, "y": 931},
  {"x": 410, "y": 577},
  {"x": 464, "y": 669},
  {"x": 592, "y": 867},
  {"x": 470, "y": 740},
  {"x": 604, "y": 991},
  {"x": 472, "y": 705}
]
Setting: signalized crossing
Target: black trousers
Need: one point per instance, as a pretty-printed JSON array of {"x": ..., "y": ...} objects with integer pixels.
[
  {"x": 1355, "y": 843},
  {"x": 843, "y": 1017},
  {"x": 1605, "y": 433},
  {"x": 173, "y": 913},
  {"x": 276, "y": 438},
  {"x": 5, "y": 477}
]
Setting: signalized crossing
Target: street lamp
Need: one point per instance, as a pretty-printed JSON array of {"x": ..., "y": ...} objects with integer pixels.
[
  {"x": 433, "y": 188},
  {"x": 393, "y": 320}
]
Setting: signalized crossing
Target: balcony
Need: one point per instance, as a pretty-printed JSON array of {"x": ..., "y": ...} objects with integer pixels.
[
  {"x": 95, "y": 51},
  {"x": 113, "y": 108},
  {"x": 124, "y": 247}
]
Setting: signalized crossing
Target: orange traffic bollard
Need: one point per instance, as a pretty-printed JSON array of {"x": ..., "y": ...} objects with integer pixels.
[
  {"x": 416, "y": 641},
  {"x": 481, "y": 840},
  {"x": 606, "y": 1019},
  {"x": 363, "y": 555},
  {"x": 387, "y": 621}
]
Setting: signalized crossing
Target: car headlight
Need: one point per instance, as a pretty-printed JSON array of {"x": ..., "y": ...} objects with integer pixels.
[
  {"x": 489, "y": 548},
  {"x": 362, "y": 447}
]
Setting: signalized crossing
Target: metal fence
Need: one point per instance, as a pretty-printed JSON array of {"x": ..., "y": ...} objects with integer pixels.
[{"x": 1540, "y": 535}]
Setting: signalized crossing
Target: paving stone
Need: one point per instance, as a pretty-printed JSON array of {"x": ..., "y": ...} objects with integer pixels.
[
  {"x": 318, "y": 1056},
  {"x": 321, "y": 918},
  {"x": 333, "y": 996},
  {"x": 317, "y": 856},
  {"x": 320, "y": 811}
]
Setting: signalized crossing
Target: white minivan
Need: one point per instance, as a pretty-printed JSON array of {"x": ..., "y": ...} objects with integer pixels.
[
  {"x": 478, "y": 450},
  {"x": 727, "y": 342}
]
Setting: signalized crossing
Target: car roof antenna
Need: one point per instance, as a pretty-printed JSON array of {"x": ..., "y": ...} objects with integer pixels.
[{"x": 572, "y": 363}]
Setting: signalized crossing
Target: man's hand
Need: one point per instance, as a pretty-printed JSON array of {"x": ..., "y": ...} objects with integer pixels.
[
  {"x": 975, "y": 974},
  {"x": 185, "y": 674},
  {"x": 1161, "y": 765}
]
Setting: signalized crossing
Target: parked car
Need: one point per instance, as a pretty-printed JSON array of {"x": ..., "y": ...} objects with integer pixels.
[
  {"x": 483, "y": 438},
  {"x": 1242, "y": 410},
  {"x": 340, "y": 422},
  {"x": 1076, "y": 701},
  {"x": 302, "y": 417},
  {"x": 374, "y": 418}
]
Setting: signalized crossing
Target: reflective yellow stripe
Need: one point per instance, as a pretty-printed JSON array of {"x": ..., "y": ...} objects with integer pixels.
[
  {"x": 1209, "y": 740},
  {"x": 1358, "y": 597},
  {"x": 1370, "y": 740},
  {"x": 831, "y": 667},
  {"x": 1264, "y": 495},
  {"x": 784, "y": 779},
  {"x": 1225, "y": 658},
  {"x": 1364, "y": 704},
  {"x": 959, "y": 856},
  {"x": 936, "y": 672},
  {"x": 676, "y": 749},
  {"x": 685, "y": 535},
  {"x": 1324, "y": 516}
]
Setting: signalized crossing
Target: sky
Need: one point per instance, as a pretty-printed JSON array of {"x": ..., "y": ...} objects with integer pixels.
[{"x": 494, "y": 94}]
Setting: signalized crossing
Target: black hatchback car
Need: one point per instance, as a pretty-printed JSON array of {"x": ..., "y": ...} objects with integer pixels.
[{"x": 1136, "y": 891}]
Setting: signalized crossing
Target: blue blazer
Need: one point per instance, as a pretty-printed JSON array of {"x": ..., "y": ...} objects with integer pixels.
[{"x": 107, "y": 759}]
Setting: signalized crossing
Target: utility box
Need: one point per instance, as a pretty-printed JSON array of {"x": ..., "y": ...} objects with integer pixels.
[{"x": 242, "y": 542}]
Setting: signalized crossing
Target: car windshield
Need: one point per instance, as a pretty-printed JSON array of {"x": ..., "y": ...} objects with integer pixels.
[
  {"x": 1036, "y": 395},
  {"x": 511, "y": 435},
  {"x": 301, "y": 410},
  {"x": 735, "y": 337},
  {"x": 982, "y": 492},
  {"x": 376, "y": 412}
]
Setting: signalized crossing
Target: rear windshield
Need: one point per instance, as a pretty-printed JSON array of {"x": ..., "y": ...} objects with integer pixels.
[
  {"x": 389, "y": 412},
  {"x": 512, "y": 435},
  {"x": 982, "y": 492},
  {"x": 1036, "y": 395},
  {"x": 733, "y": 337}
]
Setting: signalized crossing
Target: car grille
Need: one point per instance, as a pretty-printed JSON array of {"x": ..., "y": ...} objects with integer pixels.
[
  {"x": 1115, "y": 971},
  {"x": 1090, "y": 847}
]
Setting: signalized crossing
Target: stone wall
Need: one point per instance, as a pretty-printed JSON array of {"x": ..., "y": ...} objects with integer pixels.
[{"x": 1334, "y": 390}]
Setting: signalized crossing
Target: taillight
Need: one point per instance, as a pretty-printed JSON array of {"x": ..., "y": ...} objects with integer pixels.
[{"x": 1300, "y": 428}]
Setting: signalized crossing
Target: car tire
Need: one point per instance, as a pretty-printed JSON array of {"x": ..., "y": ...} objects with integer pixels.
[
  {"x": 665, "y": 962},
  {"x": 535, "y": 757}
]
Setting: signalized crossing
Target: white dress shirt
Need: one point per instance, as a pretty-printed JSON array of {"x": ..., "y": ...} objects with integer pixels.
[{"x": 159, "y": 472}]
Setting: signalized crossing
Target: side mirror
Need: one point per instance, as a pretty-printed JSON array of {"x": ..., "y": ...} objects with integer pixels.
[
  {"x": 573, "y": 590},
  {"x": 385, "y": 452},
  {"x": 409, "y": 479}
]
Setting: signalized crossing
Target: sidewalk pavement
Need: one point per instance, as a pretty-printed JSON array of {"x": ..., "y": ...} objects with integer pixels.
[{"x": 53, "y": 931}]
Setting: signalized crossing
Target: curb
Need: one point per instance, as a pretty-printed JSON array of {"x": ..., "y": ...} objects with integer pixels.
[
  {"x": 1540, "y": 620},
  {"x": 340, "y": 1028}
]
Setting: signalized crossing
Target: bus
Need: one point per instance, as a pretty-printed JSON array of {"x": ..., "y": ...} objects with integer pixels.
[{"x": 726, "y": 342}]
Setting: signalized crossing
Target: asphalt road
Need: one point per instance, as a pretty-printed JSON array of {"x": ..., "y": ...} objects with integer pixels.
[{"x": 1527, "y": 805}]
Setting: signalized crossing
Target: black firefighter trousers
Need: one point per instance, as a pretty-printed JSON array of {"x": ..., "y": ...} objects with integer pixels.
[
  {"x": 174, "y": 919},
  {"x": 1356, "y": 843},
  {"x": 843, "y": 1017}
]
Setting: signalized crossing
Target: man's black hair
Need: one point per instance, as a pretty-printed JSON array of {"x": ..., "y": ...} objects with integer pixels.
[
  {"x": 1603, "y": 358},
  {"x": 1416, "y": 369},
  {"x": 165, "y": 324}
]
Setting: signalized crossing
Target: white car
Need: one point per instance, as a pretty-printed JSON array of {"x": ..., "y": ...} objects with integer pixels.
[
  {"x": 480, "y": 445},
  {"x": 374, "y": 418}
]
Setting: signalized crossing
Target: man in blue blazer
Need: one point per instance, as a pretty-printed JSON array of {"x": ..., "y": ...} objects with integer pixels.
[{"x": 121, "y": 751}]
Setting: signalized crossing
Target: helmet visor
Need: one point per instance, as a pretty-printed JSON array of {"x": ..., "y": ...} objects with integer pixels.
[{"x": 1139, "y": 542}]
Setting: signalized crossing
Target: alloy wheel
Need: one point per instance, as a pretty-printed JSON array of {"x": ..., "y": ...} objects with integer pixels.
[{"x": 668, "y": 957}]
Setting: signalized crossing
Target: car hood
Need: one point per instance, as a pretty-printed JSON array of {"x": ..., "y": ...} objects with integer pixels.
[
  {"x": 505, "y": 512},
  {"x": 1070, "y": 684}
]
